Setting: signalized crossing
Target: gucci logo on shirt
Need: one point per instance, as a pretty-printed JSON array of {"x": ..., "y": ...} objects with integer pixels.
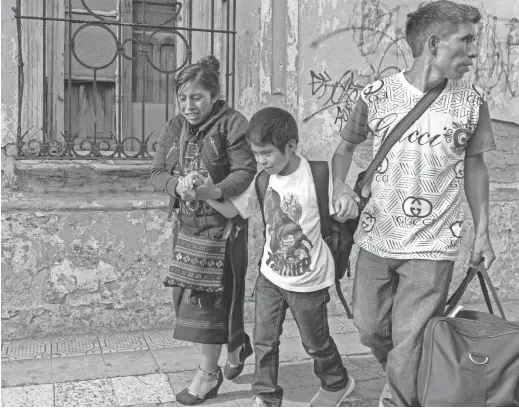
[
  {"x": 368, "y": 222},
  {"x": 460, "y": 137},
  {"x": 383, "y": 166},
  {"x": 459, "y": 169},
  {"x": 373, "y": 88},
  {"x": 456, "y": 229},
  {"x": 417, "y": 207}
]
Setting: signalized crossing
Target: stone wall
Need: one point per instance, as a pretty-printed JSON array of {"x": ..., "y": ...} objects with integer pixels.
[{"x": 85, "y": 244}]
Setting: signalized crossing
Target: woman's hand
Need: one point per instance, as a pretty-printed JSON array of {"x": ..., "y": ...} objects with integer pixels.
[
  {"x": 196, "y": 186},
  {"x": 191, "y": 180},
  {"x": 186, "y": 194}
]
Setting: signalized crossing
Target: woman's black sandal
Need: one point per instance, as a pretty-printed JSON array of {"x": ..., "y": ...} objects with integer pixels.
[
  {"x": 231, "y": 371},
  {"x": 186, "y": 397}
]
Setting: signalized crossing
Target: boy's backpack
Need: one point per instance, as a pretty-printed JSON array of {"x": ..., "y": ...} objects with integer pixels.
[{"x": 338, "y": 236}]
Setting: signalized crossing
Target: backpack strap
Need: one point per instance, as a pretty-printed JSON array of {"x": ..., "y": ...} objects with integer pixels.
[
  {"x": 321, "y": 176},
  {"x": 261, "y": 184}
]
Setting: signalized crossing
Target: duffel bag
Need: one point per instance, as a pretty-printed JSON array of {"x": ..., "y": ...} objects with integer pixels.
[{"x": 471, "y": 359}]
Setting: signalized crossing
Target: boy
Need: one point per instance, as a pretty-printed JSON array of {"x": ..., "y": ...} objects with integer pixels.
[{"x": 296, "y": 267}]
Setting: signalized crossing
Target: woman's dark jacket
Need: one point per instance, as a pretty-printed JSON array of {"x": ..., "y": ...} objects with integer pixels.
[{"x": 230, "y": 162}]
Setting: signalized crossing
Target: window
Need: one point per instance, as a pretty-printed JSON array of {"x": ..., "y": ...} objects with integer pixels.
[{"x": 97, "y": 76}]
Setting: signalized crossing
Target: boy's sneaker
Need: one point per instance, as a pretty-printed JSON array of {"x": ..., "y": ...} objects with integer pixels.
[
  {"x": 385, "y": 395},
  {"x": 257, "y": 402},
  {"x": 325, "y": 398}
]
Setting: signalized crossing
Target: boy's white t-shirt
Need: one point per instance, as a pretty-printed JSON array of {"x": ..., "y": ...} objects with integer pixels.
[{"x": 295, "y": 256}]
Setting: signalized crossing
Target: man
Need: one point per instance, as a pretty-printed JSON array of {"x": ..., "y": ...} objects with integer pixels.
[{"x": 409, "y": 233}]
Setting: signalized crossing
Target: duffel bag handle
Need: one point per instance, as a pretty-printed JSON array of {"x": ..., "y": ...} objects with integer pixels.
[
  {"x": 456, "y": 296},
  {"x": 483, "y": 274},
  {"x": 485, "y": 282}
]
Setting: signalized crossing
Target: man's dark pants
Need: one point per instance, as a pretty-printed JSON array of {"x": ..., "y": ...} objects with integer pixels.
[
  {"x": 311, "y": 316},
  {"x": 393, "y": 300}
]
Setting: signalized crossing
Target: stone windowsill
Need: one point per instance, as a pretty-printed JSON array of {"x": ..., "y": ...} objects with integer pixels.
[
  {"x": 46, "y": 202},
  {"x": 101, "y": 166},
  {"x": 83, "y": 185}
]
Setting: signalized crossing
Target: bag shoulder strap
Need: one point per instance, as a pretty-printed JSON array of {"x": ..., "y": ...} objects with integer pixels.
[
  {"x": 175, "y": 202},
  {"x": 414, "y": 114},
  {"x": 321, "y": 176}
]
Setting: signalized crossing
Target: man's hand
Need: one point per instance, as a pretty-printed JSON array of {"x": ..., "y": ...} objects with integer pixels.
[
  {"x": 345, "y": 208},
  {"x": 482, "y": 248},
  {"x": 345, "y": 202}
]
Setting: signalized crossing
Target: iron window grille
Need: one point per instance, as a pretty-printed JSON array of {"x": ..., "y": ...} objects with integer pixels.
[{"x": 112, "y": 69}]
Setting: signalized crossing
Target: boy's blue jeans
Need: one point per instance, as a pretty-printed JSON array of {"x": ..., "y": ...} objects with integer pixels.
[
  {"x": 393, "y": 300},
  {"x": 311, "y": 316}
]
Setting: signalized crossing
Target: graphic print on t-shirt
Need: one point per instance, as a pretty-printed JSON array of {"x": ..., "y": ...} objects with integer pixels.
[
  {"x": 289, "y": 253},
  {"x": 295, "y": 257}
]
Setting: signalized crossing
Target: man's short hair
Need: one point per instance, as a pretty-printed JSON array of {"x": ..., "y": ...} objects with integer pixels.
[
  {"x": 431, "y": 17},
  {"x": 272, "y": 125}
]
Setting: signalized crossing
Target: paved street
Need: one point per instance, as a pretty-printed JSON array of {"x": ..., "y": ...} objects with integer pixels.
[{"x": 149, "y": 368}]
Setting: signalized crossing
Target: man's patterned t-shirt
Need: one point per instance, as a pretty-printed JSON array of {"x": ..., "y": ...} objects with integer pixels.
[{"x": 414, "y": 210}]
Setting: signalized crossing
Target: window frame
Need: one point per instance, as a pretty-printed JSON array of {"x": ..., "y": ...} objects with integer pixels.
[{"x": 43, "y": 76}]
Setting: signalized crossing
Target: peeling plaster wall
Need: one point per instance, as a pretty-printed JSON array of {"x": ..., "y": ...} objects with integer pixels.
[
  {"x": 77, "y": 272},
  {"x": 85, "y": 245},
  {"x": 9, "y": 92}
]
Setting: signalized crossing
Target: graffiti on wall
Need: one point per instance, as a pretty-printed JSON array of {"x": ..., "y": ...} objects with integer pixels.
[
  {"x": 497, "y": 66},
  {"x": 378, "y": 33},
  {"x": 340, "y": 95},
  {"x": 373, "y": 29}
]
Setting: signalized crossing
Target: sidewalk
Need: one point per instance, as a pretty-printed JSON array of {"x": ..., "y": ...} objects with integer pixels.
[{"x": 149, "y": 368}]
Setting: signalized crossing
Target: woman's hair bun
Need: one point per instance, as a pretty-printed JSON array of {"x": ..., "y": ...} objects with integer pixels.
[{"x": 211, "y": 62}]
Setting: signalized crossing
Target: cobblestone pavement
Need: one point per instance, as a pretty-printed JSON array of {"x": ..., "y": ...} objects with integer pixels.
[{"x": 148, "y": 369}]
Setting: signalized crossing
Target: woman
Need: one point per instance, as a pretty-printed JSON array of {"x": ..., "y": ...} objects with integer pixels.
[{"x": 208, "y": 137}]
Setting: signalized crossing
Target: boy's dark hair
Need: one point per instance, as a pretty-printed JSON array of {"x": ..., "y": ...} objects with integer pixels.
[
  {"x": 206, "y": 71},
  {"x": 431, "y": 17},
  {"x": 272, "y": 125}
]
